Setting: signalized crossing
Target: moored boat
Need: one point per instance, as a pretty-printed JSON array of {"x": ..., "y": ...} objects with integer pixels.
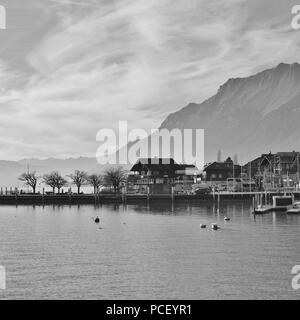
[
  {"x": 294, "y": 209},
  {"x": 262, "y": 209}
]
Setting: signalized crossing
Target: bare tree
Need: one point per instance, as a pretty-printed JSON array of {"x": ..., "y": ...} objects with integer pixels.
[
  {"x": 79, "y": 178},
  {"x": 60, "y": 182},
  {"x": 55, "y": 180},
  {"x": 30, "y": 179},
  {"x": 96, "y": 181},
  {"x": 49, "y": 180},
  {"x": 115, "y": 177}
]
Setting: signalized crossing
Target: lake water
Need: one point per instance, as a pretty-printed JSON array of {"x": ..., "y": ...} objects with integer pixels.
[{"x": 140, "y": 252}]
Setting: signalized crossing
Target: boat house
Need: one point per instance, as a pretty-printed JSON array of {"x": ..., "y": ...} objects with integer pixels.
[{"x": 275, "y": 170}]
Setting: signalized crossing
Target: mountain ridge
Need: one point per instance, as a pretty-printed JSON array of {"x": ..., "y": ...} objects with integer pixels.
[
  {"x": 247, "y": 116},
  {"x": 240, "y": 118}
]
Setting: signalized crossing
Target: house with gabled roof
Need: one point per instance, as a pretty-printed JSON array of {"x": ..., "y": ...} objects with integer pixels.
[{"x": 161, "y": 174}]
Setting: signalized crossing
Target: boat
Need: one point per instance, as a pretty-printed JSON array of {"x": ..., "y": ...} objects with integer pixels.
[
  {"x": 294, "y": 209},
  {"x": 202, "y": 189},
  {"x": 280, "y": 203},
  {"x": 263, "y": 209}
]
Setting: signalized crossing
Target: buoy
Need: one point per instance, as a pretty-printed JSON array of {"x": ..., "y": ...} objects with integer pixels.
[
  {"x": 97, "y": 220},
  {"x": 214, "y": 226},
  {"x": 227, "y": 219},
  {"x": 202, "y": 226}
]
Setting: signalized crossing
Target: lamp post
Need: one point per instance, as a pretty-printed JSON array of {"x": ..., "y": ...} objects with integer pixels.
[
  {"x": 298, "y": 168},
  {"x": 250, "y": 177}
]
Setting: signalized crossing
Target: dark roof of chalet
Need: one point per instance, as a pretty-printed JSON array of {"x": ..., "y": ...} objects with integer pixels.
[
  {"x": 159, "y": 164},
  {"x": 220, "y": 165},
  {"x": 156, "y": 161}
]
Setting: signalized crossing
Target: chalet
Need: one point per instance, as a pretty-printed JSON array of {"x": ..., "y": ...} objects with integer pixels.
[
  {"x": 160, "y": 174},
  {"x": 221, "y": 171}
]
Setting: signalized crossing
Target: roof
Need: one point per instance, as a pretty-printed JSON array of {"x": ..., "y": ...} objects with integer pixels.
[
  {"x": 284, "y": 157},
  {"x": 155, "y": 161},
  {"x": 160, "y": 164},
  {"x": 220, "y": 166}
]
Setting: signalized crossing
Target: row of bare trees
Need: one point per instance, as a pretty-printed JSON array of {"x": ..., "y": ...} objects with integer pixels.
[{"x": 112, "y": 177}]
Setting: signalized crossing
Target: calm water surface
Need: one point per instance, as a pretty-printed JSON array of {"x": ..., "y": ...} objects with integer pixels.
[{"x": 140, "y": 252}]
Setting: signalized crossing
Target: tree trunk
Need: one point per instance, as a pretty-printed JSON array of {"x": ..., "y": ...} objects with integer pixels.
[
  {"x": 78, "y": 189},
  {"x": 53, "y": 189},
  {"x": 33, "y": 188}
]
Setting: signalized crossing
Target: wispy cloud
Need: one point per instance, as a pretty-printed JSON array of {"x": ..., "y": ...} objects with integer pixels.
[{"x": 93, "y": 63}]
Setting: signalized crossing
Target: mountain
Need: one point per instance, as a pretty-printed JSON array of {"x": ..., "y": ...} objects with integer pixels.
[
  {"x": 65, "y": 166},
  {"x": 11, "y": 170},
  {"x": 248, "y": 116}
]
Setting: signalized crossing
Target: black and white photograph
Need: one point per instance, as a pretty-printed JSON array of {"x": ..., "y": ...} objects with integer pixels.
[{"x": 149, "y": 151}]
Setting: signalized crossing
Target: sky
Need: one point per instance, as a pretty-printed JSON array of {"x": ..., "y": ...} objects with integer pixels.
[{"x": 69, "y": 68}]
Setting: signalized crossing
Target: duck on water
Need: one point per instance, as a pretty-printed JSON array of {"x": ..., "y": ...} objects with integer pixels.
[
  {"x": 96, "y": 220},
  {"x": 214, "y": 226}
]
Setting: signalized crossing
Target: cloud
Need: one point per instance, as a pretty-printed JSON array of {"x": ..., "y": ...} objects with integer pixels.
[{"x": 96, "y": 62}]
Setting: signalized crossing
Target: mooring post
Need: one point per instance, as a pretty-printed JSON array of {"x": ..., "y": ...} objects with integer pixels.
[
  {"x": 172, "y": 193},
  {"x": 124, "y": 195},
  {"x": 148, "y": 193}
]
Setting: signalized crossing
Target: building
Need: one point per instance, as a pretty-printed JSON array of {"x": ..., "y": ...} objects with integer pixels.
[
  {"x": 221, "y": 171},
  {"x": 160, "y": 175},
  {"x": 280, "y": 163},
  {"x": 274, "y": 170}
]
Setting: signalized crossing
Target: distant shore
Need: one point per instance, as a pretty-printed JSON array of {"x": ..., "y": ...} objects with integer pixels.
[{"x": 70, "y": 199}]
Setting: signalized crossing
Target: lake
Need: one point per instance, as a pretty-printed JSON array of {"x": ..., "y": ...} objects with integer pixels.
[{"x": 147, "y": 252}]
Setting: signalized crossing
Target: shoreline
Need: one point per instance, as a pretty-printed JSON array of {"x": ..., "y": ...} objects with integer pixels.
[{"x": 70, "y": 199}]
